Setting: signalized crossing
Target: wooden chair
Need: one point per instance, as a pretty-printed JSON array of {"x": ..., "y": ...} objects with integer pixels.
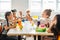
[
  {"x": 0, "y": 29},
  {"x": 49, "y": 38},
  {"x": 58, "y": 37},
  {"x": 0, "y": 32}
]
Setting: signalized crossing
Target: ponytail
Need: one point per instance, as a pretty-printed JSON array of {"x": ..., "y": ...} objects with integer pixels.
[{"x": 7, "y": 14}]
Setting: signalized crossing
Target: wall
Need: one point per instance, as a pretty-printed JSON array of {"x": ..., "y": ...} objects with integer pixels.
[
  {"x": 23, "y": 5},
  {"x": 20, "y": 5}
]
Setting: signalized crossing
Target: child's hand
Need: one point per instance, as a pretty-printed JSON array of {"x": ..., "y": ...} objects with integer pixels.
[
  {"x": 49, "y": 30},
  {"x": 6, "y": 28},
  {"x": 51, "y": 25}
]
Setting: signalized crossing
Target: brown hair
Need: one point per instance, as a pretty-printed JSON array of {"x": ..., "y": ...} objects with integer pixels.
[
  {"x": 27, "y": 11},
  {"x": 48, "y": 11}
]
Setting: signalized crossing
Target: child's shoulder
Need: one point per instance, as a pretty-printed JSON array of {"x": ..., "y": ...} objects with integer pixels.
[{"x": 42, "y": 18}]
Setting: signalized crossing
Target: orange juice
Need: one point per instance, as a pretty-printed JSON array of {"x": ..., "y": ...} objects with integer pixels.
[{"x": 20, "y": 24}]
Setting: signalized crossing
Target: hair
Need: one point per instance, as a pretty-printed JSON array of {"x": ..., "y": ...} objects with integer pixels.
[
  {"x": 58, "y": 22},
  {"x": 27, "y": 11},
  {"x": 48, "y": 12},
  {"x": 14, "y": 10},
  {"x": 7, "y": 14}
]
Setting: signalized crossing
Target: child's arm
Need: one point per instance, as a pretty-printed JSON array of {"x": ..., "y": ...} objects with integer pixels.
[
  {"x": 6, "y": 27},
  {"x": 51, "y": 26}
]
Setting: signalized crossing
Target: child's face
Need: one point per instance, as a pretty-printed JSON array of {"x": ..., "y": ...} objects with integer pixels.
[
  {"x": 28, "y": 12},
  {"x": 44, "y": 15},
  {"x": 20, "y": 12},
  {"x": 14, "y": 14},
  {"x": 10, "y": 16},
  {"x": 27, "y": 16}
]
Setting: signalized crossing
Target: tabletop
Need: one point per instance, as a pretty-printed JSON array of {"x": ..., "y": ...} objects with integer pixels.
[{"x": 28, "y": 29}]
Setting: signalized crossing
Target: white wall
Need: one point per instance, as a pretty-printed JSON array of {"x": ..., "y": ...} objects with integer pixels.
[
  {"x": 20, "y": 5},
  {"x": 23, "y": 5}
]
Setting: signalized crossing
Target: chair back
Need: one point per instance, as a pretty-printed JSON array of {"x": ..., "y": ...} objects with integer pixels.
[
  {"x": 58, "y": 37},
  {"x": 0, "y": 29}
]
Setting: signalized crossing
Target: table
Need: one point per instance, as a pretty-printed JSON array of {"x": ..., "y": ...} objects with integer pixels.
[
  {"x": 14, "y": 32},
  {"x": 28, "y": 29}
]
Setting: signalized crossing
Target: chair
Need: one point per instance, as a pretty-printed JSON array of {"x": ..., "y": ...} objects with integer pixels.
[
  {"x": 49, "y": 38},
  {"x": 58, "y": 37},
  {"x": 0, "y": 29},
  {"x": 20, "y": 38}
]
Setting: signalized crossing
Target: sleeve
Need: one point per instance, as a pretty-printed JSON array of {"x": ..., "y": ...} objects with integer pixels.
[{"x": 3, "y": 24}]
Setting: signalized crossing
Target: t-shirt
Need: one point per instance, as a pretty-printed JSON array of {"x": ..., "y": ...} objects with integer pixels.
[
  {"x": 3, "y": 24},
  {"x": 45, "y": 20}
]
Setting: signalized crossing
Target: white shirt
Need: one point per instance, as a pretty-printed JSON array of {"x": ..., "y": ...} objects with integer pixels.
[{"x": 45, "y": 20}]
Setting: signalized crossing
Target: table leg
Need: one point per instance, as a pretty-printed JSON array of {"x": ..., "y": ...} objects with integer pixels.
[
  {"x": 19, "y": 38},
  {"x": 36, "y": 37},
  {"x": 42, "y": 38}
]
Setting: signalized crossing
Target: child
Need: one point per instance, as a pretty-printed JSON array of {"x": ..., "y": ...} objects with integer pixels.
[
  {"x": 14, "y": 13},
  {"x": 45, "y": 17},
  {"x": 28, "y": 12},
  {"x": 20, "y": 14},
  {"x": 28, "y": 17},
  {"x": 55, "y": 25},
  {"x": 8, "y": 24}
]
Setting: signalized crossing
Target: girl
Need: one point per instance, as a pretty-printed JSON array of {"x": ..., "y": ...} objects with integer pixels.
[
  {"x": 8, "y": 24},
  {"x": 45, "y": 19},
  {"x": 55, "y": 25},
  {"x": 20, "y": 14},
  {"x": 28, "y": 17},
  {"x": 14, "y": 14}
]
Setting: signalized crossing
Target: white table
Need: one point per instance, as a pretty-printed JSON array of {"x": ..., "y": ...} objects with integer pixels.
[
  {"x": 27, "y": 30},
  {"x": 14, "y": 32}
]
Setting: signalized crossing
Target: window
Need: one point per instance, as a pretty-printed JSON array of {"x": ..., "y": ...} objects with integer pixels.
[
  {"x": 58, "y": 0},
  {"x": 58, "y": 5},
  {"x": 35, "y": 5},
  {"x": 5, "y": 0},
  {"x": 39, "y": 5},
  {"x": 49, "y": 4},
  {"x": 5, "y": 5}
]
